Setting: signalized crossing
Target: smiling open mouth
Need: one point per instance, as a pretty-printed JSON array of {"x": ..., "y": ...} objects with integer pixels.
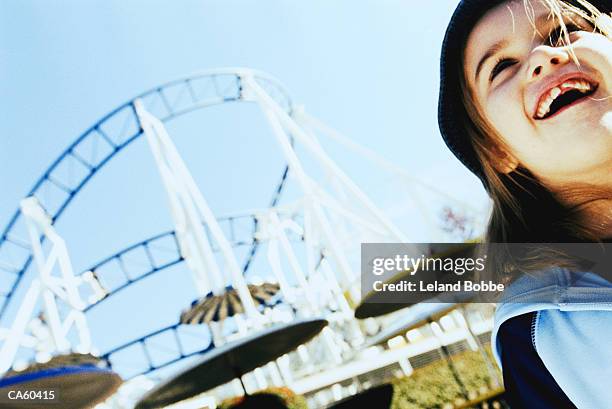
[{"x": 564, "y": 95}]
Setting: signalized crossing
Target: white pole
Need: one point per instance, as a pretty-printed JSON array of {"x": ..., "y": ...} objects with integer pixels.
[
  {"x": 51, "y": 289},
  {"x": 275, "y": 264},
  {"x": 316, "y": 150},
  {"x": 292, "y": 259},
  {"x": 182, "y": 177},
  {"x": 192, "y": 241},
  {"x": 54, "y": 288},
  {"x": 17, "y": 331},
  {"x": 307, "y": 187}
]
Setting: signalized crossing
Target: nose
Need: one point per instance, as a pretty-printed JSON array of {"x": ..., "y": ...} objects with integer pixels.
[{"x": 544, "y": 59}]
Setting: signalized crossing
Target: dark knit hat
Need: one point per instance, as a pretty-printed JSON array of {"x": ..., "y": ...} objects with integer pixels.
[{"x": 451, "y": 110}]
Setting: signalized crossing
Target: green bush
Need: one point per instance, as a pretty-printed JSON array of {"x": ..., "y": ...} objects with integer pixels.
[
  {"x": 429, "y": 387},
  {"x": 291, "y": 399},
  {"x": 433, "y": 386}
]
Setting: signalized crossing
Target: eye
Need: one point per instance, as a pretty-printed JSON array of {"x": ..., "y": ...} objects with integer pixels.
[
  {"x": 555, "y": 37},
  {"x": 501, "y": 65}
]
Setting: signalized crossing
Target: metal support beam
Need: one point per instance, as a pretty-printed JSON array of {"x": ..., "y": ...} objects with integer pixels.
[
  {"x": 57, "y": 290},
  {"x": 191, "y": 213},
  {"x": 316, "y": 201}
]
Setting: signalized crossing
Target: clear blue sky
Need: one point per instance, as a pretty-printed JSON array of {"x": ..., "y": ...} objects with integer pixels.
[{"x": 368, "y": 68}]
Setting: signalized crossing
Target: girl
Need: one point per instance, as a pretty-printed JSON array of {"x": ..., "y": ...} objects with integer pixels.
[{"x": 525, "y": 104}]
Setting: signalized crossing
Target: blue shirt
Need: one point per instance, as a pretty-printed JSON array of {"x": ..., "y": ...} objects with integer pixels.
[
  {"x": 571, "y": 331},
  {"x": 527, "y": 382}
]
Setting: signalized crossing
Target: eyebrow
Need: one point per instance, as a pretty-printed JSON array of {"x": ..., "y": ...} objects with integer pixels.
[{"x": 494, "y": 49}]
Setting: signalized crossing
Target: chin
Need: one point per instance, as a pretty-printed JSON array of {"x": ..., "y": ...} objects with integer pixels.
[{"x": 584, "y": 130}]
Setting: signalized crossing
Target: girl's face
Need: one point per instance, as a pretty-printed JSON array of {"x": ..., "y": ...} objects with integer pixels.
[{"x": 555, "y": 116}]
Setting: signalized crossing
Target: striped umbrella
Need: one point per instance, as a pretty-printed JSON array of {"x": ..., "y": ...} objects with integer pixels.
[
  {"x": 58, "y": 361},
  {"x": 219, "y": 307},
  {"x": 81, "y": 380}
]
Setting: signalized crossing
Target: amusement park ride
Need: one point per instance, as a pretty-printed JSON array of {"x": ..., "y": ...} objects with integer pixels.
[{"x": 44, "y": 332}]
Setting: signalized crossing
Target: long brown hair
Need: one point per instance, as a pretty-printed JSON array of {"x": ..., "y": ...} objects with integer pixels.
[{"x": 524, "y": 209}]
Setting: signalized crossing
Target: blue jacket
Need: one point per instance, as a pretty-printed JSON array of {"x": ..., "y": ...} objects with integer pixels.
[{"x": 572, "y": 331}]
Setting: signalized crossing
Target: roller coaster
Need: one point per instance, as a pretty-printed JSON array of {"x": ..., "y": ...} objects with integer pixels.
[{"x": 199, "y": 240}]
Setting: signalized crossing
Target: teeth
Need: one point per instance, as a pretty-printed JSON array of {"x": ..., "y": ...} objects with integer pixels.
[
  {"x": 544, "y": 107},
  {"x": 580, "y": 85},
  {"x": 545, "y": 104},
  {"x": 555, "y": 92}
]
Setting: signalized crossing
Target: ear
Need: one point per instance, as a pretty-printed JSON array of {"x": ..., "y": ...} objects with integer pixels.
[{"x": 503, "y": 161}]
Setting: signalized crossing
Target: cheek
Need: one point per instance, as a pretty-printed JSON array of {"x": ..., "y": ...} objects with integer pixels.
[
  {"x": 505, "y": 113},
  {"x": 595, "y": 50}
]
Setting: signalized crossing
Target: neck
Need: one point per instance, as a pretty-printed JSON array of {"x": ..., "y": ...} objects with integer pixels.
[
  {"x": 591, "y": 204},
  {"x": 598, "y": 218},
  {"x": 593, "y": 207}
]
